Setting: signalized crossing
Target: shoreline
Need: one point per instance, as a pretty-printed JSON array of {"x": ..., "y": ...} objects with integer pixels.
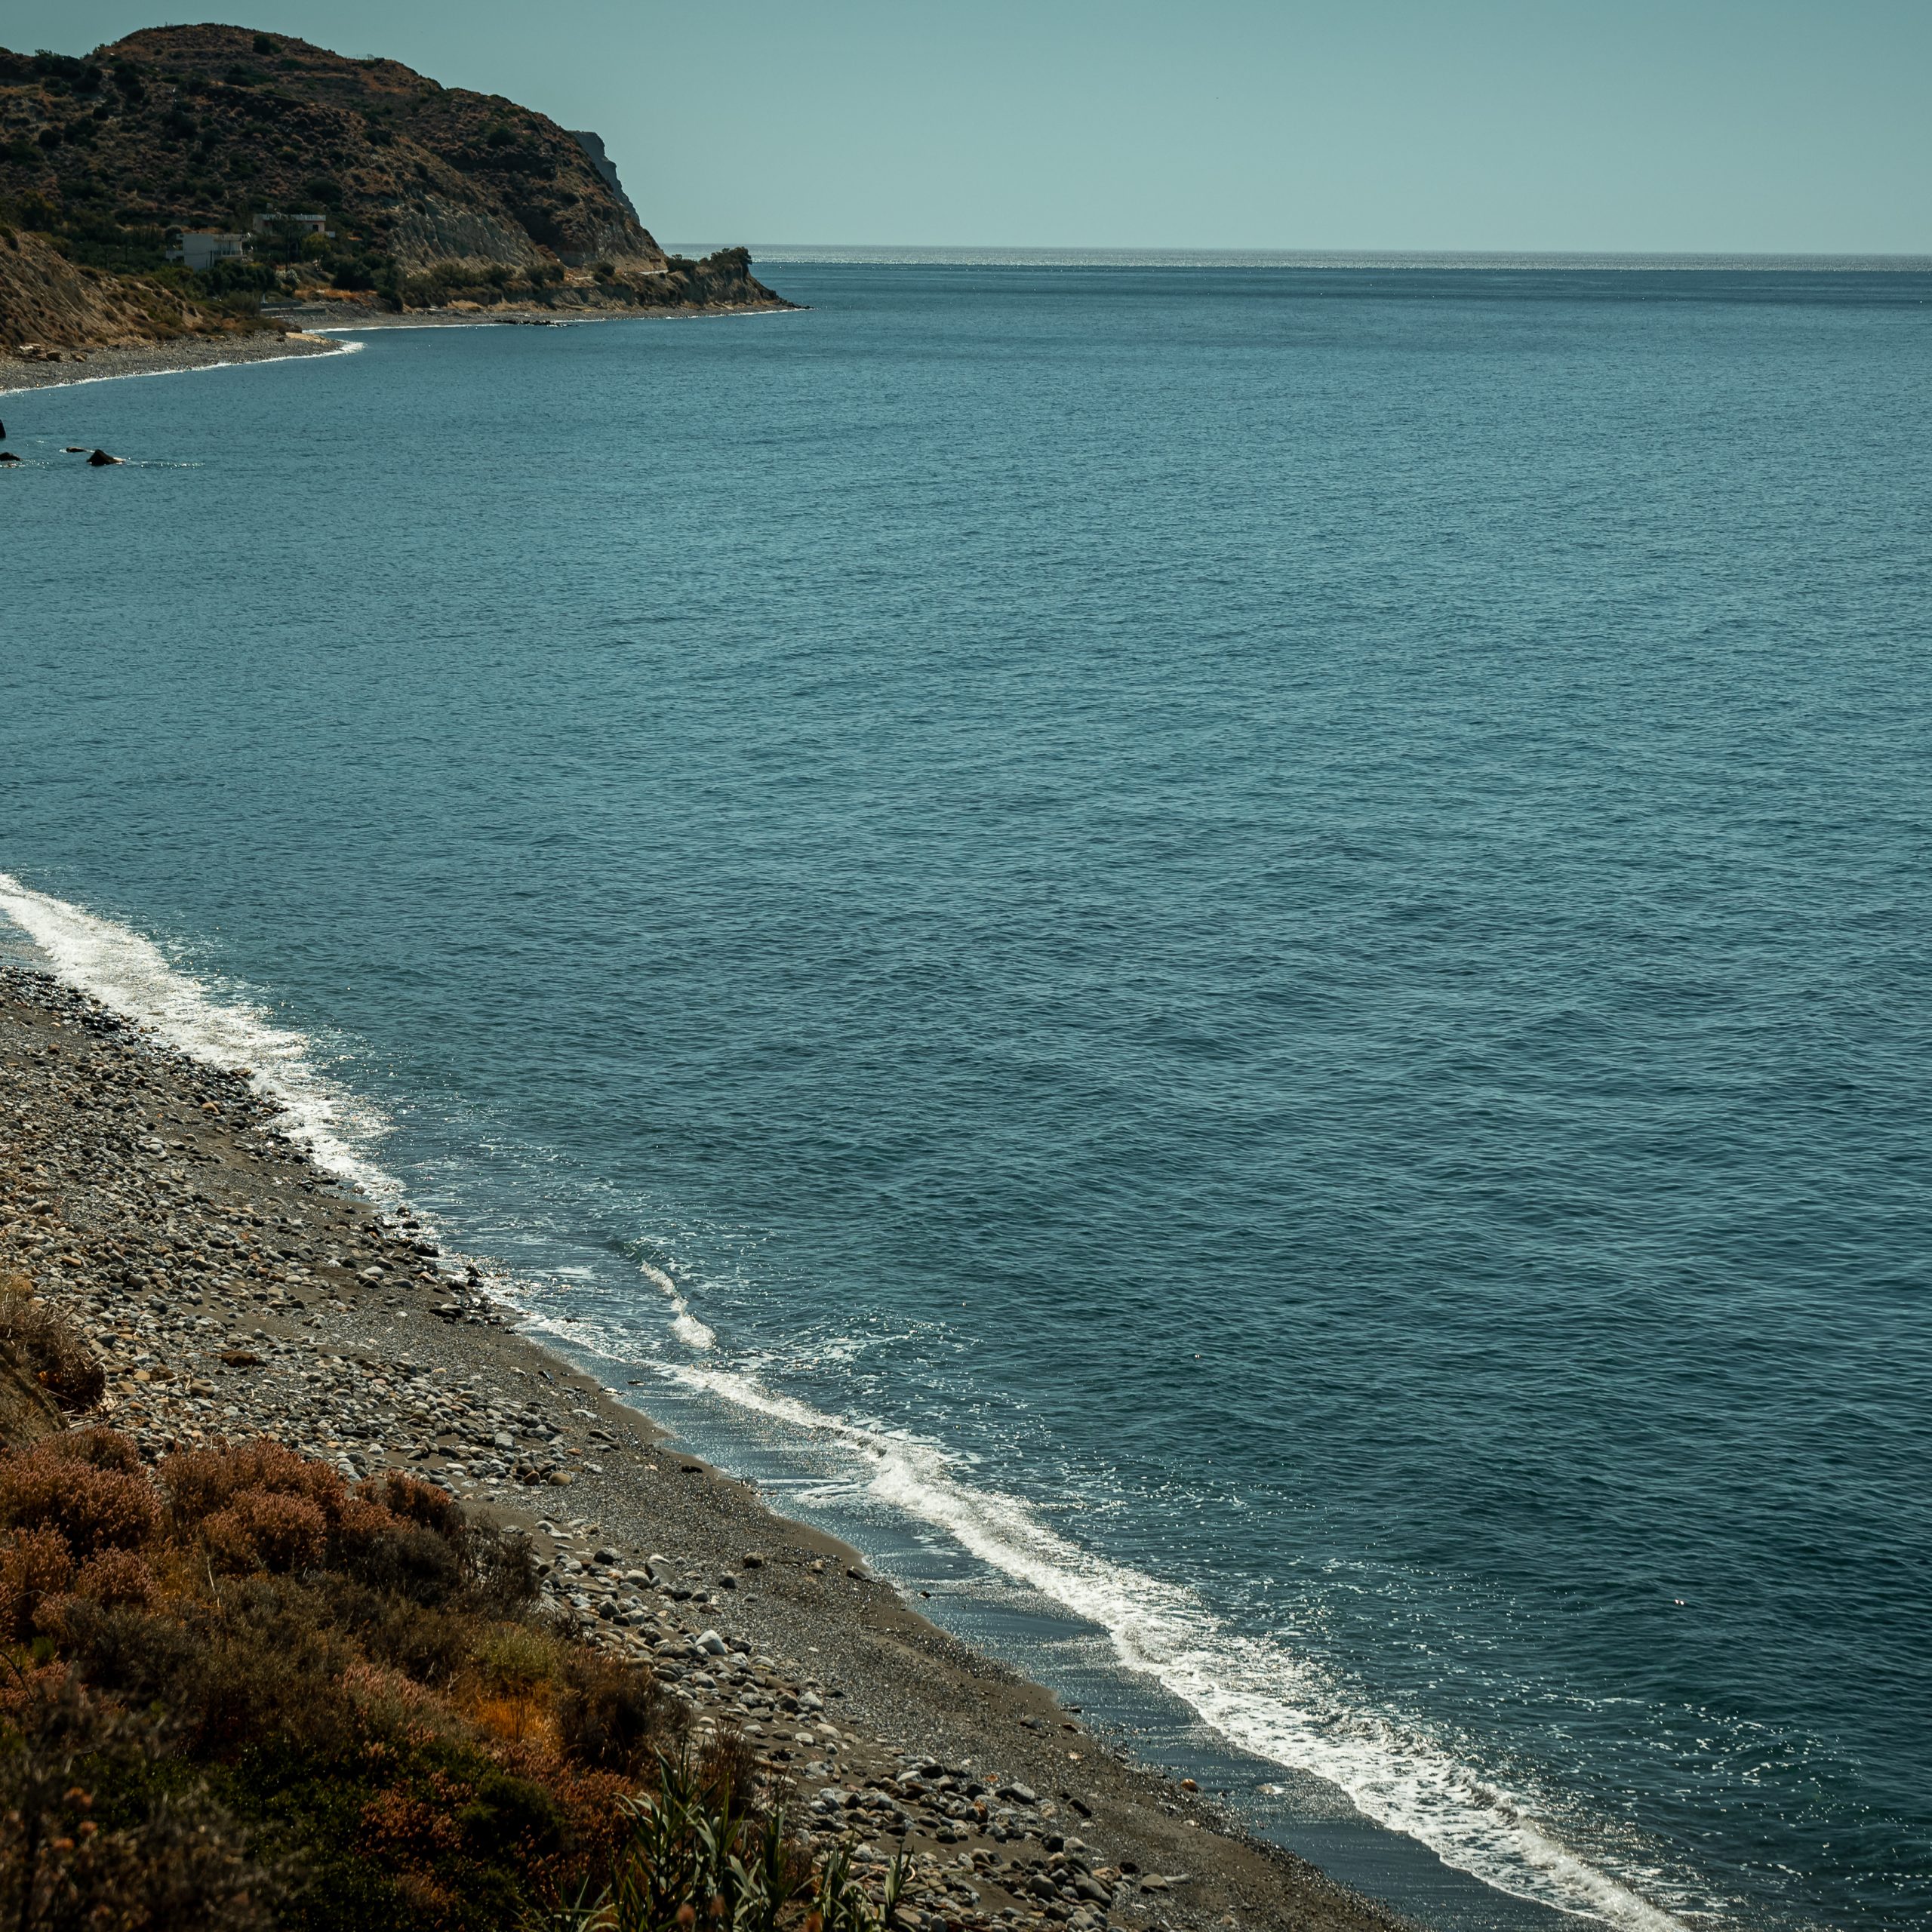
[
  {"x": 19, "y": 377},
  {"x": 320, "y": 335},
  {"x": 234, "y": 1287}
]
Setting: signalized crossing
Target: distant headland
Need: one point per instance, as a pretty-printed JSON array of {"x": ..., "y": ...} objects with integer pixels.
[{"x": 213, "y": 180}]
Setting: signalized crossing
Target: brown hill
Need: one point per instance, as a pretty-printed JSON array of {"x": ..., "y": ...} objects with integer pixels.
[{"x": 429, "y": 191}]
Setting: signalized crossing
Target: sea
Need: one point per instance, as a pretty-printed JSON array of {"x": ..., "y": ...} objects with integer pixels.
[{"x": 1231, "y": 954}]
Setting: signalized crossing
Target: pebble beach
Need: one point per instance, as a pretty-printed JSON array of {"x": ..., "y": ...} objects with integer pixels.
[{"x": 234, "y": 1289}]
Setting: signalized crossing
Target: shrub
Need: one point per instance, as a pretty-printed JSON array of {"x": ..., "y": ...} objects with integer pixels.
[
  {"x": 263, "y": 1529},
  {"x": 200, "y": 1482},
  {"x": 34, "y": 1565},
  {"x": 503, "y": 1566},
  {"x": 72, "y": 1483},
  {"x": 424, "y": 1503},
  {"x": 99, "y": 1836},
  {"x": 115, "y": 1577},
  {"x": 517, "y": 1658},
  {"x": 408, "y": 1562},
  {"x": 612, "y": 1716}
]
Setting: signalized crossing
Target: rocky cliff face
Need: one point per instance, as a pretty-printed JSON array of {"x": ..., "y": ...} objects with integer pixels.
[
  {"x": 593, "y": 145},
  {"x": 194, "y": 126}
]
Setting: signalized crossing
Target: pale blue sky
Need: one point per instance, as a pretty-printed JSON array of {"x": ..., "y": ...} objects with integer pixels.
[{"x": 1743, "y": 125}]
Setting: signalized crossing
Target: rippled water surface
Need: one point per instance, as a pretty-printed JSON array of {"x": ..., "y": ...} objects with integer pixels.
[{"x": 1254, "y": 943}]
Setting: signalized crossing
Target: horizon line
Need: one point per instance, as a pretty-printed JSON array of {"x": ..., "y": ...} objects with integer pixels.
[{"x": 968, "y": 254}]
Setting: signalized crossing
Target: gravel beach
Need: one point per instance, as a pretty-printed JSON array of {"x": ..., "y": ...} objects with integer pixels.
[
  {"x": 165, "y": 358},
  {"x": 234, "y": 1289}
]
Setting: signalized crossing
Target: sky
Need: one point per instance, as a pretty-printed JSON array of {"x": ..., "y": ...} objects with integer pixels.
[{"x": 1733, "y": 126}]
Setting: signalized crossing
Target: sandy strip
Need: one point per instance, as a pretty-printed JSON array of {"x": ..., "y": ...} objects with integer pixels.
[{"x": 235, "y": 1288}]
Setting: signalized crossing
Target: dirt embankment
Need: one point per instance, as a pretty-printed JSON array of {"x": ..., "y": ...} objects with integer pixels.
[{"x": 47, "y": 305}]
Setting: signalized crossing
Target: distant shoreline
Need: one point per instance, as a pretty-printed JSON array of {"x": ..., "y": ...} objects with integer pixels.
[{"x": 18, "y": 377}]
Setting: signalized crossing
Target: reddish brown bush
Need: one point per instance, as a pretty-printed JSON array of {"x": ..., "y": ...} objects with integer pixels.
[
  {"x": 362, "y": 1523},
  {"x": 115, "y": 1577},
  {"x": 420, "y": 1502},
  {"x": 263, "y": 1529},
  {"x": 70, "y": 1484},
  {"x": 202, "y": 1481},
  {"x": 34, "y": 1565}
]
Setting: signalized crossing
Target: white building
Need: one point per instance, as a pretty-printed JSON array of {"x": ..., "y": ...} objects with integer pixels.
[
  {"x": 310, "y": 224},
  {"x": 199, "y": 247}
]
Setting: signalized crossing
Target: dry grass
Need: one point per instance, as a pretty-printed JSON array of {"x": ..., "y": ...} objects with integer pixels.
[{"x": 54, "y": 1351}]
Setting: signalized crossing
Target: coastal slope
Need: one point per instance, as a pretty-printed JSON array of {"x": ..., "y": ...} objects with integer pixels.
[{"x": 44, "y": 299}]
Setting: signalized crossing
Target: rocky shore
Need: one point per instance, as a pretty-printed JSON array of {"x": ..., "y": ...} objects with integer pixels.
[{"x": 232, "y": 1289}]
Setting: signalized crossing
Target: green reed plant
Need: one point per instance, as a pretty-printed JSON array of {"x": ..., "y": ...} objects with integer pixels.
[{"x": 702, "y": 1852}]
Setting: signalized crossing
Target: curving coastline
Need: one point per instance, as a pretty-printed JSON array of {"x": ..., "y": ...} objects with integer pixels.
[{"x": 235, "y": 1287}]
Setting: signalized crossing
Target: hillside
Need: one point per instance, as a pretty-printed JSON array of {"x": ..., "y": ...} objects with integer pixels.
[
  {"x": 46, "y": 304},
  {"x": 431, "y": 193}
]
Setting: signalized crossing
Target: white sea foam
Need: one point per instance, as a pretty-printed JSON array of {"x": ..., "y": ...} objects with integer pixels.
[
  {"x": 688, "y": 1329},
  {"x": 132, "y": 976},
  {"x": 1254, "y": 1691},
  {"x": 197, "y": 368}
]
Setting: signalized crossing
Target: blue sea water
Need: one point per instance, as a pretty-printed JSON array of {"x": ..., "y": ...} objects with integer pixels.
[{"x": 1246, "y": 948}]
